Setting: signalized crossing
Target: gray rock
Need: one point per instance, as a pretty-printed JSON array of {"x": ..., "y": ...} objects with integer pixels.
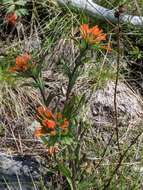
[
  {"x": 21, "y": 172},
  {"x": 129, "y": 105}
]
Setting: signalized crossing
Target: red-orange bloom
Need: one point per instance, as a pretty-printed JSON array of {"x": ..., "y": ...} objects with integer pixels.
[
  {"x": 11, "y": 18},
  {"x": 44, "y": 112},
  {"x": 39, "y": 132},
  {"x": 65, "y": 124},
  {"x": 65, "y": 131},
  {"x": 59, "y": 116},
  {"x": 92, "y": 35},
  {"x": 21, "y": 64},
  {"x": 49, "y": 123}
]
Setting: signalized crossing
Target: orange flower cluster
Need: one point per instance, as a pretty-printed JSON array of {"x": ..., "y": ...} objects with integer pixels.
[
  {"x": 21, "y": 64},
  {"x": 11, "y": 18},
  {"x": 50, "y": 123},
  {"x": 92, "y": 35}
]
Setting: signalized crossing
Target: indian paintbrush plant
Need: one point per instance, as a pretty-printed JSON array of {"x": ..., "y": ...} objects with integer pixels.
[{"x": 62, "y": 131}]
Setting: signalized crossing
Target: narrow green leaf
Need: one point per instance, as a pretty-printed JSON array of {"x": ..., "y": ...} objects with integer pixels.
[
  {"x": 11, "y": 9},
  {"x": 67, "y": 140},
  {"x": 44, "y": 139},
  {"x": 84, "y": 44},
  {"x": 21, "y": 12},
  {"x": 7, "y": 1},
  {"x": 21, "y": 2},
  {"x": 84, "y": 185},
  {"x": 66, "y": 69},
  {"x": 67, "y": 173}
]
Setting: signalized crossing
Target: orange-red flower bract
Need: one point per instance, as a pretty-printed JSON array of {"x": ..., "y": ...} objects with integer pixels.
[
  {"x": 39, "y": 132},
  {"x": 53, "y": 149},
  {"x": 65, "y": 131},
  {"x": 59, "y": 115},
  {"x": 21, "y": 64},
  {"x": 49, "y": 123},
  {"x": 11, "y": 18},
  {"x": 65, "y": 124},
  {"x": 92, "y": 35},
  {"x": 44, "y": 112}
]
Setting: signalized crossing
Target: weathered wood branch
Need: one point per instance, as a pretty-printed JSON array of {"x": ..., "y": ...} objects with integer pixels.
[{"x": 101, "y": 12}]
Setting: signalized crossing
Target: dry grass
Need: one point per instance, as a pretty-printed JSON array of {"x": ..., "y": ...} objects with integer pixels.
[{"x": 16, "y": 113}]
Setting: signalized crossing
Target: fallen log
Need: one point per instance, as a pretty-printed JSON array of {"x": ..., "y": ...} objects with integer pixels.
[{"x": 101, "y": 12}]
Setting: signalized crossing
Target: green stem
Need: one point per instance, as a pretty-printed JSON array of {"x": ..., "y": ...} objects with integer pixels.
[
  {"x": 72, "y": 165},
  {"x": 78, "y": 63},
  {"x": 41, "y": 87}
]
